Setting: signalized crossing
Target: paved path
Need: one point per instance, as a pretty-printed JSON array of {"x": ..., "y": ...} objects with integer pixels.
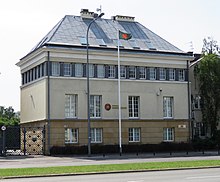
[{"x": 47, "y": 161}]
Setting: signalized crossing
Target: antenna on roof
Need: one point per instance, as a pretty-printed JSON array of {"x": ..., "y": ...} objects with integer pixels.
[{"x": 99, "y": 9}]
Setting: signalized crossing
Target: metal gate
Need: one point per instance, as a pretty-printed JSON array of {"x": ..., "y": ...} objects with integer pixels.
[{"x": 18, "y": 140}]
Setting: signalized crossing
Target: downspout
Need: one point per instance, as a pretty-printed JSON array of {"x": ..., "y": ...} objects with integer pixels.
[
  {"x": 189, "y": 105},
  {"x": 48, "y": 102}
]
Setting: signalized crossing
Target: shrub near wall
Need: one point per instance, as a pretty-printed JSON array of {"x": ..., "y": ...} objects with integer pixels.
[{"x": 133, "y": 148}]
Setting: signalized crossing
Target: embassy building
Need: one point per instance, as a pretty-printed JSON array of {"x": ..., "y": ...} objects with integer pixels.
[{"x": 155, "y": 102}]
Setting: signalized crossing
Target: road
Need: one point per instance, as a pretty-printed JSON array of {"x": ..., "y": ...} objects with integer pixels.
[{"x": 194, "y": 175}]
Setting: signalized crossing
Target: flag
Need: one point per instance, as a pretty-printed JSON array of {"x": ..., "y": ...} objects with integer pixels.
[{"x": 124, "y": 36}]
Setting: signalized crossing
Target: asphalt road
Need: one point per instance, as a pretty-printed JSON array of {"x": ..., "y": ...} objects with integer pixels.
[{"x": 194, "y": 175}]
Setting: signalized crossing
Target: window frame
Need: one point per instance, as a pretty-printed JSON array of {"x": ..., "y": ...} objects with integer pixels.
[
  {"x": 169, "y": 134},
  {"x": 181, "y": 75},
  {"x": 132, "y": 72},
  {"x": 67, "y": 69},
  {"x": 152, "y": 73},
  {"x": 142, "y": 73},
  {"x": 94, "y": 132},
  {"x": 71, "y": 134},
  {"x": 132, "y": 106},
  {"x": 111, "y": 72},
  {"x": 132, "y": 137},
  {"x": 71, "y": 111},
  {"x": 95, "y": 109},
  {"x": 55, "y": 69},
  {"x": 122, "y": 72},
  {"x": 171, "y": 74},
  {"x": 100, "y": 71},
  {"x": 168, "y": 107},
  {"x": 78, "y": 70},
  {"x": 162, "y": 74}
]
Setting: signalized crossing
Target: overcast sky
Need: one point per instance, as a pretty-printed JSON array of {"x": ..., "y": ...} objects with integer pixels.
[{"x": 23, "y": 23}]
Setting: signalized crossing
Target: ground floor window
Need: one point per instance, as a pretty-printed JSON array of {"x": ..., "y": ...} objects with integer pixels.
[
  {"x": 96, "y": 135},
  {"x": 168, "y": 134},
  {"x": 134, "y": 134},
  {"x": 71, "y": 135}
]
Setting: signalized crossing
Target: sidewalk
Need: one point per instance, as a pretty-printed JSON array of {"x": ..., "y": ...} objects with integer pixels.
[{"x": 48, "y": 161}]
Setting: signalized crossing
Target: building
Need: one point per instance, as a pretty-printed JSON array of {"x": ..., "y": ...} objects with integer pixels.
[{"x": 154, "y": 84}]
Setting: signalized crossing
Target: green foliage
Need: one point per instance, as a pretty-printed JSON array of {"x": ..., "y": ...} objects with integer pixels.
[
  {"x": 208, "y": 72},
  {"x": 8, "y": 117}
]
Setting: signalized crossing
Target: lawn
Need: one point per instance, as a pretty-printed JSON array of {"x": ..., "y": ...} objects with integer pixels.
[{"x": 4, "y": 173}]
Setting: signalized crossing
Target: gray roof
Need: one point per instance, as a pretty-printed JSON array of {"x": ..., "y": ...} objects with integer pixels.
[{"x": 71, "y": 30}]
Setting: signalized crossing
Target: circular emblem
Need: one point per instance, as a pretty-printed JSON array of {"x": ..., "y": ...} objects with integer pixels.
[
  {"x": 108, "y": 107},
  {"x": 3, "y": 128}
]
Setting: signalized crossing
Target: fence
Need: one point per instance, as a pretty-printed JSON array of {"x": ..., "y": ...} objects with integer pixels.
[{"x": 16, "y": 140}]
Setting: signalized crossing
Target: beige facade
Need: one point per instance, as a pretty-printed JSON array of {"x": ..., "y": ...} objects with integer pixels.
[{"x": 153, "y": 110}]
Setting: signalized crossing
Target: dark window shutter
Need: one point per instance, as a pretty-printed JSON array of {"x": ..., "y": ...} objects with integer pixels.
[
  {"x": 84, "y": 70},
  {"x": 147, "y": 74},
  {"x": 127, "y": 72},
  {"x": 167, "y": 73},
  {"x": 137, "y": 73},
  {"x": 61, "y": 69},
  {"x": 116, "y": 71},
  {"x": 157, "y": 73},
  {"x": 176, "y": 74},
  {"x": 106, "y": 71},
  {"x": 73, "y": 70},
  {"x": 95, "y": 71},
  {"x": 186, "y": 75}
]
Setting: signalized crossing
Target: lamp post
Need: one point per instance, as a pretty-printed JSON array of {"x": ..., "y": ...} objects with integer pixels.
[{"x": 87, "y": 76}]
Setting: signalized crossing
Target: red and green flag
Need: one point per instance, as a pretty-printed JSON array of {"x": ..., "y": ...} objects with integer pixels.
[{"x": 124, "y": 36}]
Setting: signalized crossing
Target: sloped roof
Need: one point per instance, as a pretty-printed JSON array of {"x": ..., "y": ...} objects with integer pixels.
[{"x": 71, "y": 30}]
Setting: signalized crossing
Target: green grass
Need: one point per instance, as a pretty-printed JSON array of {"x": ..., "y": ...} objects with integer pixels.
[{"x": 106, "y": 168}]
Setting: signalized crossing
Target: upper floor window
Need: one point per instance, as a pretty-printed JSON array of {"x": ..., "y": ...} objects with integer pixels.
[
  {"x": 171, "y": 74},
  {"x": 152, "y": 73},
  {"x": 111, "y": 71},
  {"x": 168, "y": 107},
  {"x": 95, "y": 106},
  {"x": 197, "y": 102},
  {"x": 55, "y": 69},
  {"x": 132, "y": 72},
  {"x": 123, "y": 71},
  {"x": 71, "y": 135},
  {"x": 181, "y": 75},
  {"x": 78, "y": 70},
  {"x": 70, "y": 105},
  {"x": 100, "y": 71},
  {"x": 133, "y": 106},
  {"x": 162, "y": 74},
  {"x": 142, "y": 73},
  {"x": 67, "y": 69}
]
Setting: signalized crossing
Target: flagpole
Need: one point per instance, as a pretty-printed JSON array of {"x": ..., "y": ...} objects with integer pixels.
[{"x": 119, "y": 97}]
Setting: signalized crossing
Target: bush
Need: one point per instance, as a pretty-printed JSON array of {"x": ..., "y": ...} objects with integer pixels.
[
  {"x": 204, "y": 144},
  {"x": 129, "y": 148}
]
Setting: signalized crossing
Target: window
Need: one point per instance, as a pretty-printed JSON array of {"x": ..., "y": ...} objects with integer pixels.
[
  {"x": 67, "y": 69},
  {"x": 71, "y": 135},
  {"x": 171, "y": 74},
  {"x": 162, "y": 74},
  {"x": 181, "y": 75},
  {"x": 91, "y": 70},
  {"x": 152, "y": 73},
  {"x": 168, "y": 107},
  {"x": 197, "y": 102},
  {"x": 132, "y": 72},
  {"x": 123, "y": 71},
  {"x": 83, "y": 40},
  {"x": 78, "y": 70},
  {"x": 55, "y": 69},
  {"x": 168, "y": 134},
  {"x": 142, "y": 73},
  {"x": 111, "y": 71},
  {"x": 95, "y": 106},
  {"x": 96, "y": 135},
  {"x": 133, "y": 106},
  {"x": 100, "y": 71},
  {"x": 134, "y": 134},
  {"x": 70, "y": 106}
]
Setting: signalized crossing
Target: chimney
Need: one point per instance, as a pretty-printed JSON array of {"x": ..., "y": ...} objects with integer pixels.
[
  {"x": 123, "y": 18},
  {"x": 85, "y": 13}
]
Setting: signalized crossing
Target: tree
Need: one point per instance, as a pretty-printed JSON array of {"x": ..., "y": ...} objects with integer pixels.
[
  {"x": 208, "y": 73},
  {"x": 210, "y": 46},
  {"x": 8, "y": 116}
]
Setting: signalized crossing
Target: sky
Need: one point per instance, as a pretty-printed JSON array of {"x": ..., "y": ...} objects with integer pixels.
[{"x": 23, "y": 23}]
